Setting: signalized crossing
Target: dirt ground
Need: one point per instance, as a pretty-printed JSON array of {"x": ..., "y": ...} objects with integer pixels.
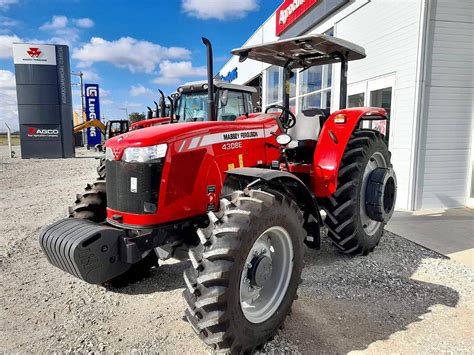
[{"x": 402, "y": 298}]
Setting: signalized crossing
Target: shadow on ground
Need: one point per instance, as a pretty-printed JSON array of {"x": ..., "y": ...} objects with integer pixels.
[
  {"x": 347, "y": 303},
  {"x": 165, "y": 277}
]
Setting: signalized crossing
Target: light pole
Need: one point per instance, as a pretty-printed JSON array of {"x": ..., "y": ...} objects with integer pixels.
[
  {"x": 126, "y": 111},
  {"x": 83, "y": 113}
]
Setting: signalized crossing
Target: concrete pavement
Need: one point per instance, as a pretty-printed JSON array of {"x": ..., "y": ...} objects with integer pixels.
[{"x": 449, "y": 232}]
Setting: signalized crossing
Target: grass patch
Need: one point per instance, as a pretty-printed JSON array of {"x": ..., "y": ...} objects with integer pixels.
[{"x": 4, "y": 139}]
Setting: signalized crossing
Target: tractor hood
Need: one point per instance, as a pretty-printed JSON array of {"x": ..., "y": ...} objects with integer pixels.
[{"x": 167, "y": 133}]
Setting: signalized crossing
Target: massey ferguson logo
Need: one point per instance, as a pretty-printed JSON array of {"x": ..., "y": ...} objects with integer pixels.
[
  {"x": 34, "y": 52},
  {"x": 42, "y": 132}
]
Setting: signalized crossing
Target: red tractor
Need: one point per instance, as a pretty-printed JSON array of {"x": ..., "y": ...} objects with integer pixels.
[{"x": 239, "y": 198}]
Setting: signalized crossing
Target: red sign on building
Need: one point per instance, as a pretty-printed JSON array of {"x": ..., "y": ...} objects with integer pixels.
[{"x": 289, "y": 12}]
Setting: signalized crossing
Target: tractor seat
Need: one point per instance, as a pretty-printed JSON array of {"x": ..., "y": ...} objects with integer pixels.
[{"x": 305, "y": 135}]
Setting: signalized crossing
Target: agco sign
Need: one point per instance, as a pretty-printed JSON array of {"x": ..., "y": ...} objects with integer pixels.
[
  {"x": 289, "y": 12},
  {"x": 34, "y": 132}
]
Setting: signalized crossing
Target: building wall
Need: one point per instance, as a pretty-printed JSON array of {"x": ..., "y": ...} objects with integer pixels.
[
  {"x": 391, "y": 38},
  {"x": 446, "y": 129}
]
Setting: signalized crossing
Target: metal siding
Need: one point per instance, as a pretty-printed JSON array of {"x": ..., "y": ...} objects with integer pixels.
[
  {"x": 447, "y": 121},
  {"x": 390, "y": 35}
]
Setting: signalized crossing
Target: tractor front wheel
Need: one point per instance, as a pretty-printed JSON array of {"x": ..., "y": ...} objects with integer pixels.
[
  {"x": 246, "y": 271},
  {"x": 365, "y": 197}
]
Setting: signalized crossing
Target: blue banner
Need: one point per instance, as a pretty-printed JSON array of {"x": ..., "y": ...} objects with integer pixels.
[{"x": 92, "y": 112}]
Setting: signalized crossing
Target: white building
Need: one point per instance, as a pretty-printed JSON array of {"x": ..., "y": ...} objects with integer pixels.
[{"x": 419, "y": 66}]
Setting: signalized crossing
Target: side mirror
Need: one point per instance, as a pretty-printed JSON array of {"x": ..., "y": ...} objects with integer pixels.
[
  {"x": 224, "y": 97},
  {"x": 283, "y": 139}
]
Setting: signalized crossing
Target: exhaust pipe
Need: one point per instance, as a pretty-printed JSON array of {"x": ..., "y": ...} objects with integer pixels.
[
  {"x": 149, "y": 114},
  {"x": 162, "y": 104},
  {"x": 210, "y": 81},
  {"x": 171, "y": 107},
  {"x": 157, "y": 109}
]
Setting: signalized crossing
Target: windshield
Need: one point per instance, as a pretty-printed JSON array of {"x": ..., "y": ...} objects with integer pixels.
[{"x": 192, "y": 107}]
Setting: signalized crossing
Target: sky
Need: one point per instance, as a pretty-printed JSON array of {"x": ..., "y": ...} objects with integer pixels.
[{"x": 130, "y": 48}]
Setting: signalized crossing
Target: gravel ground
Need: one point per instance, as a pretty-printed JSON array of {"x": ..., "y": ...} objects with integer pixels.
[{"x": 402, "y": 298}]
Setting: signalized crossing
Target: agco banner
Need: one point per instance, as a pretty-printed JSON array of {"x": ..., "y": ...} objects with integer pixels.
[{"x": 92, "y": 112}]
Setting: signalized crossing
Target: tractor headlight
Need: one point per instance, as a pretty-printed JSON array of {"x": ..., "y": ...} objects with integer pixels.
[
  {"x": 109, "y": 154},
  {"x": 144, "y": 154}
]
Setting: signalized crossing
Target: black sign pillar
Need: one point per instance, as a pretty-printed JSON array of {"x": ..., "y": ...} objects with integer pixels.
[{"x": 43, "y": 85}]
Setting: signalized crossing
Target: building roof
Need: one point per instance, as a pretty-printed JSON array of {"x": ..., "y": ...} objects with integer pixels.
[{"x": 303, "y": 51}]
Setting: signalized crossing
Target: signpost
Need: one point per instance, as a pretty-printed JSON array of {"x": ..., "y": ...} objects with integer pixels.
[
  {"x": 43, "y": 86},
  {"x": 92, "y": 112}
]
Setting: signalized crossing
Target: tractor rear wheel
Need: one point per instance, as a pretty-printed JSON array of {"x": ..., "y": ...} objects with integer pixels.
[
  {"x": 355, "y": 217},
  {"x": 101, "y": 169},
  {"x": 91, "y": 205},
  {"x": 246, "y": 270}
]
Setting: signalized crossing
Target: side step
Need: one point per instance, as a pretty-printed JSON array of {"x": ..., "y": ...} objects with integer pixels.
[{"x": 84, "y": 249}]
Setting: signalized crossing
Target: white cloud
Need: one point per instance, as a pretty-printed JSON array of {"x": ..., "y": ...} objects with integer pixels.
[
  {"x": 218, "y": 9},
  {"x": 171, "y": 73},
  {"x": 140, "y": 90},
  {"x": 5, "y": 4},
  {"x": 127, "y": 52},
  {"x": 8, "y": 22},
  {"x": 6, "y": 42},
  {"x": 56, "y": 23},
  {"x": 104, "y": 93},
  {"x": 83, "y": 22},
  {"x": 90, "y": 75},
  {"x": 8, "y": 103}
]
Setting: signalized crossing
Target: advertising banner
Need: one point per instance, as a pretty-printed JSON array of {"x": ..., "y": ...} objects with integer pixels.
[
  {"x": 27, "y": 53},
  {"x": 92, "y": 112},
  {"x": 290, "y": 11}
]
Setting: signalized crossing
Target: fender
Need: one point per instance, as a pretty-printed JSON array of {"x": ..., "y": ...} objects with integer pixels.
[
  {"x": 286, "y": 183},
  {"x": 282, "y": 181},
  {"x": 332, "y": 143}
]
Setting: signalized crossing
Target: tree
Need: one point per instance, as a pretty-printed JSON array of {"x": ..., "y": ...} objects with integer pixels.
[{"x": 136, "y": 116}]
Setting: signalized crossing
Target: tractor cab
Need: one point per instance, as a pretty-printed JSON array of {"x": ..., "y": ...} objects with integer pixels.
[
  {"x": 232, "y": 101},
  {"x": 115, "y": 127},
  {"x": 301, "y": 53}
]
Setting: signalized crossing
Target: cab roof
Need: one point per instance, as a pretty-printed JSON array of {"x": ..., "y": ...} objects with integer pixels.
[
  {"x": 198, "y": 86},
  {"x": 302, "y": 52}
]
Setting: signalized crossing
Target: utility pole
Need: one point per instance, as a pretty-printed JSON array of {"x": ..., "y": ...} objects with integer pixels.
[
  {"x": 83, "y": 113},
  {"x": 126, "y": 111}
]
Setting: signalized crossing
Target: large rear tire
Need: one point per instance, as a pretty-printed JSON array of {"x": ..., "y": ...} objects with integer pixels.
[
  {"x": 101, "y": 169},
  {"x": 350, "y": 228},
  {"x": 246, "y": 271},
  {"x": 92, "y": 205}
]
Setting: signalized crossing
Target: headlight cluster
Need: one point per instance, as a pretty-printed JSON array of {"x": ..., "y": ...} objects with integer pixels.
[{"x": 140, "y": 154}]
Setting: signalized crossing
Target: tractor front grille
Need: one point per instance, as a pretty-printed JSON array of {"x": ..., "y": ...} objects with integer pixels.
[{"x": 133, "y": 187}]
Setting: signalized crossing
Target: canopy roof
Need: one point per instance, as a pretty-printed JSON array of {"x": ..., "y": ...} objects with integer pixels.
[
  {"x": 198, "y": 86},
  {"x": 303, "y": 51}
]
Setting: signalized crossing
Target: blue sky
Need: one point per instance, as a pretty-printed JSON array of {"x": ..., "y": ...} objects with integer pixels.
[{"x": 130, "y": 48}]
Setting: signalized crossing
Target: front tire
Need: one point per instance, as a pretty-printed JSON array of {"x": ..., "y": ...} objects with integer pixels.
[{"x": 252, "y": 244}]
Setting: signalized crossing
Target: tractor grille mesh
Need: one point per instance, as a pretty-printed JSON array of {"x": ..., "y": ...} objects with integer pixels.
[{"x": 133, "y": 187}]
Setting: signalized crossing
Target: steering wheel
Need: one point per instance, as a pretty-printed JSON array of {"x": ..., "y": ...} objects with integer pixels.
[{"x": 286, "y": 123}]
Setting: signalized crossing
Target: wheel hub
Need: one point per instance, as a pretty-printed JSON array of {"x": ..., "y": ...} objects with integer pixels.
[
  {"x": 260, "y": 271},
  {"x": 266, "y": 274}
]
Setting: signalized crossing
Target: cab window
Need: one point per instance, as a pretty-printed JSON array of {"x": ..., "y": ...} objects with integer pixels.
[{"x": 231, "y": 104}]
